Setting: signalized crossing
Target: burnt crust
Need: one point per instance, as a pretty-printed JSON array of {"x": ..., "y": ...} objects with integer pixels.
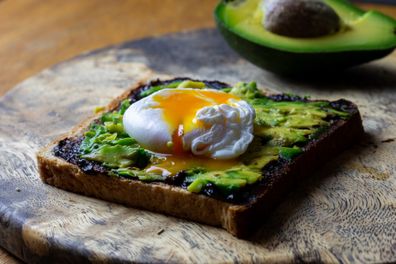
[
  {"x": 239, "y": 220},
  {"x": 134, "y": 95},
  {"x": 68, "y": 148}
]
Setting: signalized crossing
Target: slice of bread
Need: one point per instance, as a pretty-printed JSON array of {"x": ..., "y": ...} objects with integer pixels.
[{"x": 238, "y": 219}]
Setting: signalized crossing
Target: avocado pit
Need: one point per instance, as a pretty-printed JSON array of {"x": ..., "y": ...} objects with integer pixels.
[{"x": 300, "y": 18}]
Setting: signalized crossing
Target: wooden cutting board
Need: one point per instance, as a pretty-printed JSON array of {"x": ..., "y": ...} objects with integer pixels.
[{"x": 346, "y": 212}]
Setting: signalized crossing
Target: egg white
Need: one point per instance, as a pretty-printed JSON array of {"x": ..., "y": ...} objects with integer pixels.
[{"x": 227, "y": 134}]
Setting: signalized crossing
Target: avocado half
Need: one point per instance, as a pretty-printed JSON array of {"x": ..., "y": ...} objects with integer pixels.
[{"x": 364, "y": 36}]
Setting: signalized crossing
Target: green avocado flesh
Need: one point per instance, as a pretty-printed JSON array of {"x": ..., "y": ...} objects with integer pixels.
[
  {"x": 281, "y": 128},
  {"x": 363, "y": 36}
]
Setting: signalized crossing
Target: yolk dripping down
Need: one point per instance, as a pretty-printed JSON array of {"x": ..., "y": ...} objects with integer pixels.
[
  {"x": 179, "y": 110},
  {"x": 172, "y": 164},
  {"x": 180, "y": 107}
]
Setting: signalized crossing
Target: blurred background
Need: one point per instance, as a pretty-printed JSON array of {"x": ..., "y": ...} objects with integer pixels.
[
  {"x": 388, "y": 2},
  {"x": 36, "y": 34}
]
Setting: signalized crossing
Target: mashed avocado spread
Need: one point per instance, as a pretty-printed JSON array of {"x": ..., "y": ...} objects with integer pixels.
[{"x": 281, "y": 130}]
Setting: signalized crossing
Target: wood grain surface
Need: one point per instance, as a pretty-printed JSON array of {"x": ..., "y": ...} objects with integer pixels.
[
  {"x": 345, "y": 213},
  {"x": 36, "y": 34},
  {"x": 6, "y": 258}
]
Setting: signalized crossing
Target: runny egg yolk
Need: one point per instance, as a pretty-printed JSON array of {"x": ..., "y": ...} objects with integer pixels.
[
  {"x": 179, "y": 110},
  {"x": 172, "y": 164},
  {"x": 180, "y": 107}
]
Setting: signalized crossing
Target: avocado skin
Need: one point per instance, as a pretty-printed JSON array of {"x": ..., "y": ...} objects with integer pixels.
[{"x": 294, "y": 64}]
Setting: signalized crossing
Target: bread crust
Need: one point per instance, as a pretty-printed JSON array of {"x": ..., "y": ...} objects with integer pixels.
[{"x": 239, "y": 220}]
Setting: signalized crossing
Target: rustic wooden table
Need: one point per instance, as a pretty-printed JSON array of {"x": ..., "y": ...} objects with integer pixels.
[{"x": 38, "y": 34}]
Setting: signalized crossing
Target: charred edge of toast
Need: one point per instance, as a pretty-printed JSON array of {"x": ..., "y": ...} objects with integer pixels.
[
  {"x": 134, "y": 95},
  {"x": 340, "y": 136},
  {"x": 239, "y": 220},
  {"x": 68, "y": 149}
]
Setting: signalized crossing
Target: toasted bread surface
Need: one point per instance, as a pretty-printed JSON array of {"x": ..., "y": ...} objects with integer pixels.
[{"x": 238, "y": 219}]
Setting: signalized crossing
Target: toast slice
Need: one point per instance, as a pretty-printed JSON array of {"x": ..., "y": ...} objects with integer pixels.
[{"x": 239, "y": 217}]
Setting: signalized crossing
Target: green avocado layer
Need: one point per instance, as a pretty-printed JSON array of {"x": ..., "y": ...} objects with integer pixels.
[{"x": 281, "y": 128}]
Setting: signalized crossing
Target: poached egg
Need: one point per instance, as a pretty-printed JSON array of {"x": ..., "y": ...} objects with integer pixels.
[{"x": 204, "y": 122}]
